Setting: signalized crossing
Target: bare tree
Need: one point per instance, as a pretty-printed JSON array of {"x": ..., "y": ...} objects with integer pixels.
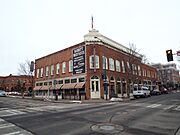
[
  {"x": 133, "y": 66},
  {"x": 144, "y": 59},
  {"x": 24, "y": 68}
]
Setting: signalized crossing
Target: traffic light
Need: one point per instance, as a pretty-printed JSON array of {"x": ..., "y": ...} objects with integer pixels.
[{"x": 169, "y": 55}]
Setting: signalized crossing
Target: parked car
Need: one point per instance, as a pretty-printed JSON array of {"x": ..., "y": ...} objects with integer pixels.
[
  {"x": 164, "y": 91},
  {"x": 141, "y": 91},
  {"x": 2, "y": 93},
  {"x": 155, "y": 92}
]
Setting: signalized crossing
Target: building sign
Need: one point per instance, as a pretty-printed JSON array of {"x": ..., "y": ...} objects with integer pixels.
[{"x": 79, "y": 60}]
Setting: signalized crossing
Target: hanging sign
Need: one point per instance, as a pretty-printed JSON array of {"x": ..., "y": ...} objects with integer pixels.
[{"x": 79, "y": 60}]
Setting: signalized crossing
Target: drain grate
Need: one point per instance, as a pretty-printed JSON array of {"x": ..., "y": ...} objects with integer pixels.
[{"x": 108, "y": 128}]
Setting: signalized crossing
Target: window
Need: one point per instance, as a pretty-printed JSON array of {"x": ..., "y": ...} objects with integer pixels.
[
  {"x": 41, "y": 72},
  {"x": 74, "y": 80},
  {"x": 118, "y": 66},
  {"x": 47, "y": 71},
  {"x": 52, "y": 69},
  {"x": 67, "y": 81},
  {"x": 133, "y": 68},
  {"x": 111, "y": 64},
  {"x": 37, "y": 73},
  {"x": 82, "y": 79},
  {"x": 60, "y": 82},
  {"x": 58, "y": 68},
  {"x": 139, "y": 70},
  {"x": 94, "y": 63},
  {"x": 64, "y": 67},
  {"x": 105, "y": 62},
  {"x": 70, "y": 66},
  {"x": 123, "y": 67}
]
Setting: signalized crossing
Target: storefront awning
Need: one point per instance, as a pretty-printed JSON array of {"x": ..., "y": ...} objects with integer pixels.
[
  {"x": 68, "y": 86},
  {"x": 56, "y": 87},
  {"x": 37, "y": 87},
  {"x": 79, "y": 85},
  {"x": 45, "y": 87}
]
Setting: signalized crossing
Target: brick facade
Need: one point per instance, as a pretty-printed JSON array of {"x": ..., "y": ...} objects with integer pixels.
[
  {"x": 14, "y": 83},
  {"x": 73, "y": 86}
]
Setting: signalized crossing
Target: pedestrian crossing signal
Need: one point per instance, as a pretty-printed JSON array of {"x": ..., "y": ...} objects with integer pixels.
[{"x": 169, "y": 55}]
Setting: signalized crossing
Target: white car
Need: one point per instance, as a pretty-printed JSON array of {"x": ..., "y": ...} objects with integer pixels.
[{"x": 141, "y": 91}]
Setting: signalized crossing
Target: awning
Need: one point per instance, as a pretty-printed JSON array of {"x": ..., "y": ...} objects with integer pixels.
[
  {"x": 56, "y": 87},
  {"x": 45, "y": 87},
  {"x": 68, "y": 86},
  {"x": 79, "y": 85},
  {"x": 37, "y": 87}
]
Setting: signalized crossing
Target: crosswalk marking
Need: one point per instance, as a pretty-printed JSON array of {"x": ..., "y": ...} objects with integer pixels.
[
  {"x": 6, "y": 126},
  {"x": 10, "y": 112},
  {"x": 13, "y": 133},
  {"x": 154, "y": 105},
  {"x": 168, "y": 107},
  {"x": 177, "y": 108}
]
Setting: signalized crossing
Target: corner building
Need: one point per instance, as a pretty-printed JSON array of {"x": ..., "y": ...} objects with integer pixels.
[{"x": 83, "y": 70}]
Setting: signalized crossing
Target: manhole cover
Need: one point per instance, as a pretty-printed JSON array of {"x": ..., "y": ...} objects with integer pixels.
[{"x": 107, "y": 128}]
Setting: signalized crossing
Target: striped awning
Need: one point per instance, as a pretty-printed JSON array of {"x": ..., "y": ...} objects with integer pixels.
[
  {"x": 37, "y": 87},
  {"x": 45, "y": 87},
  {"x": 56, "y": 87},
  {"x": 68, "y": 86},
  {"x": 79, "y": 85}
]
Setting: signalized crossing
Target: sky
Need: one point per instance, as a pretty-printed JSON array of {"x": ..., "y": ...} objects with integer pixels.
[{"x": 30, "y": 29}]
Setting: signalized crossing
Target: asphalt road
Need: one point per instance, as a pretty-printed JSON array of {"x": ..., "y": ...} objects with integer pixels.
[{"x": 156, "y": 115}]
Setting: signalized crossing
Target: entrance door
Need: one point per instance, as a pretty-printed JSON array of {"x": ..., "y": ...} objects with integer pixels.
[{"x": 95, "y": 87}]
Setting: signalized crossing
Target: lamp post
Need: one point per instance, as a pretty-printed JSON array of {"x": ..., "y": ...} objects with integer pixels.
[{"x": 104, "y": 76}]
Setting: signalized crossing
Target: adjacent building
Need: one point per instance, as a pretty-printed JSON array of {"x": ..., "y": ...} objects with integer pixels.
[
  {"x": 16, "y": 83},
  {"x": 96, "y": 68},
  {"x": 168, "y": 75}
]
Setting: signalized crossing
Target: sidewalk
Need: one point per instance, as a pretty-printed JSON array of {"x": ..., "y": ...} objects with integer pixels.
[{"x": 71, "y": 101}]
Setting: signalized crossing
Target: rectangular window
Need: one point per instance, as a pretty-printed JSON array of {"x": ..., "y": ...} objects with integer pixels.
[
  {"x": 64, "y": 67},
  {"x": 82, "y": 79},
  {"x": 67, "y": 81},
  {"x": 52, "y": 69},
  {"x": 105, "y": 62},
  {"x": 41, "y": 72},
  {"x": 111, "y": 64},
  {"x": 47, "y": 71},
  {"x": 74, "y": 80},
  {"x": 118, "y": 66},
  {"x": 37, "y": 73},
  {"x": 60, "y": 82},
  {"x": 123, "y": 67},
  {"x": 139, "y": 70},
  {"x": 94, "y": 62},
  {"x": 70, "y": 66},
  {"x": 58, "y": 68}
]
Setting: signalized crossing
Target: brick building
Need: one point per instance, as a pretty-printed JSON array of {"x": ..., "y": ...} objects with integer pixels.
[
  {"x": 15, "y": 83},
  {"x": 168, "y": 75},
  {"x": 83, "y": 70}
]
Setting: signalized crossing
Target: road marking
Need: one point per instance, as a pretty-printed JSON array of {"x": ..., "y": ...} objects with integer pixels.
[
  {"x": 168, "y": 107},
  {"x": 13, "y": 133},
  {"x": 10, "y": 112},
  {"x": 177, "y": 108},
  {"x": 154, "y": 105},
  {"x": 6, "y": 125}
]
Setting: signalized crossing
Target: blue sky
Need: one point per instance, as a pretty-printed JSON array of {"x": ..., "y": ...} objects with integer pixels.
[{"x": 30, "y": 29}]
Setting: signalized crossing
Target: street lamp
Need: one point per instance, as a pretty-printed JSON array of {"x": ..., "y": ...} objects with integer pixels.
[{"x": 104, "y": 76}]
